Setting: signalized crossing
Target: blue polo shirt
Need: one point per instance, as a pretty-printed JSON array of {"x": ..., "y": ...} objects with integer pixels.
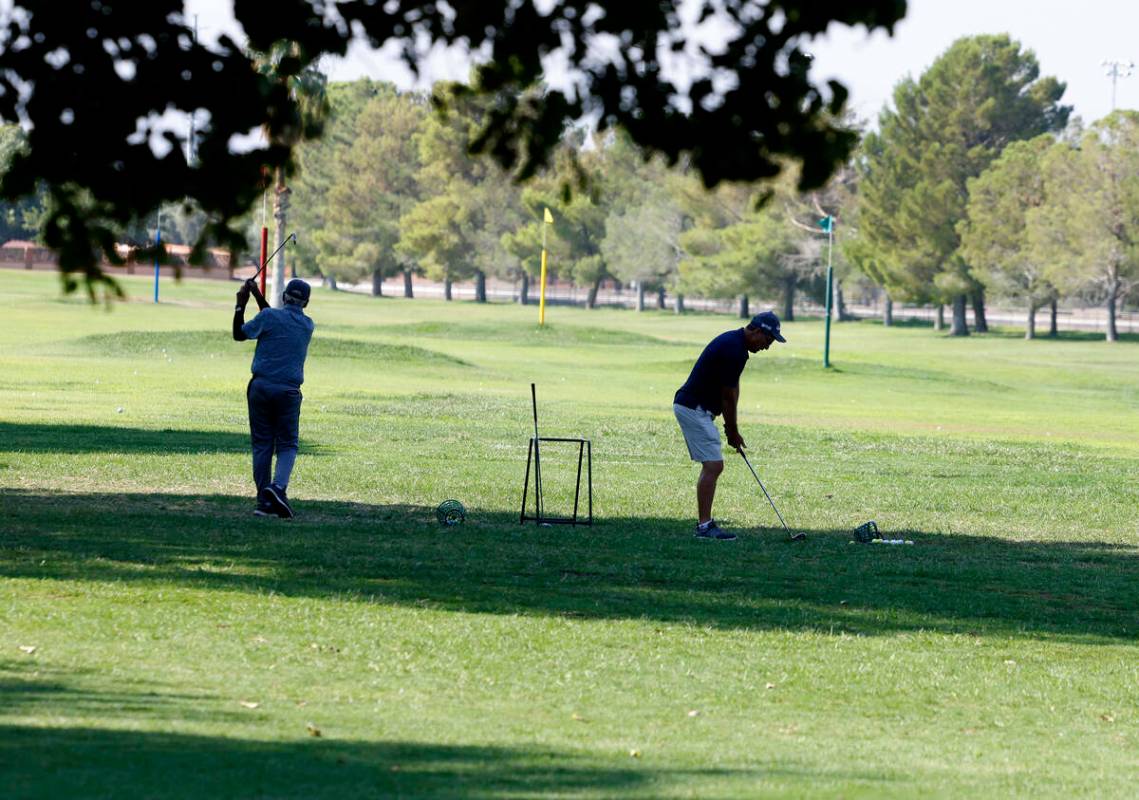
[
  {"x": 719, "y": 367},
  {"x": 282, "y": 336}
]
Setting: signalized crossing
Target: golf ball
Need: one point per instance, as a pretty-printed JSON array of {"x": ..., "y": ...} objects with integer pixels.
[{"x": 119, "y": 410}]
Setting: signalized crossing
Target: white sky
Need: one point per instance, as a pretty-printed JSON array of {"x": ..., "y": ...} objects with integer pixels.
[{"x": 1069, "y": 39}]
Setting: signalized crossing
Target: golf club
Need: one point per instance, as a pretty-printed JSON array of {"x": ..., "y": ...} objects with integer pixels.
[
  {"x": 292, "y": 236},
  {"x": 795, "y": 537}
]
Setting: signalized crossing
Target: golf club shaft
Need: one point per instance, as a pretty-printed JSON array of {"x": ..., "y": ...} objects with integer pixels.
[
  {"x": 291, "y": 236},
  {"x": 765, "y": 494}
]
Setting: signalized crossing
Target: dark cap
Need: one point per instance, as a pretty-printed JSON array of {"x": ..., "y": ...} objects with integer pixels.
[
  {"x": 297, "y": 293},
  {"x": 767, "y": 322}
]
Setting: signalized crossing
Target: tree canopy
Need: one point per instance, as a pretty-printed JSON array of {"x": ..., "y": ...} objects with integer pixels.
[
  {"x": 91, "y": 86},
  {"x": 980, "y": 95}
]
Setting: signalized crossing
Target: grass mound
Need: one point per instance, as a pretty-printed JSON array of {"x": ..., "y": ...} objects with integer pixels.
[
  {"x": 130, "y": 344},
  {"x": 531, "y": 335},
  {"x": 143, "y": 344}
]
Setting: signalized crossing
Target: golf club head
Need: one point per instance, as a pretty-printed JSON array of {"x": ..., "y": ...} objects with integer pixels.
[{"x": 798, "y": 537}]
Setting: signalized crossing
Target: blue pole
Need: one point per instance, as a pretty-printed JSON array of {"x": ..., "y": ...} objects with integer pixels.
[{"x": 157, "y": 242}]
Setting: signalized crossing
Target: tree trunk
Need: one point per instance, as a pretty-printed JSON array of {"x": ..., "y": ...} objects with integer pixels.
[
  {"x": 407, "y": 290},
  {"x": 1053, "y": 327},
  {"x": 480, "y": 286},
  {"x": 660, "y": 297},
  {"x": 524, "y": 291},
  {"x": 377, "y": 283},
  {"x": 679, "y": 303},
  {"x": 591, "y": 298},
  {"x": 980, "y": 324},
  {"x": 640, "y": 295},
  {"x": 743, "y": 307},
  {"x": 331, "y": 281},
  {"x": 1112, "y": 296},
  {"x": 960, "y": 324},
  {"x": 789, "y": 285},
  {"x": 280, "y": 216},
  {"x": 888, "y": 312},
  {"x": 939, "y": 318},
  {"x": 446, "y": 288},
  {"x": 839, "y": 303},
  {"x": 1030, "y": 325}
]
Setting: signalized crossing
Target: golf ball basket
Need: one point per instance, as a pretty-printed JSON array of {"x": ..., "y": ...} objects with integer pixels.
[
  {"x": 584, "y": 458},
  {"x": 450, "y": 512},
  {"x": 867, "y": 532}
]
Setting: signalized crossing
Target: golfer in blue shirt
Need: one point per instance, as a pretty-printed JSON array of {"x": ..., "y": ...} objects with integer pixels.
[
  {"x": 274, "y": 392},
  {"x": 713, "y": 388}
]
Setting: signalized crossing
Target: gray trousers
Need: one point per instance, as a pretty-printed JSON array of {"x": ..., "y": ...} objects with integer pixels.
[{"x": 274, "y": 427}]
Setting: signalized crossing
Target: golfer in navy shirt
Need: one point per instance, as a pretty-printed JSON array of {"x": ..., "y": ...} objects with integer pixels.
[
  {"x": 274, "y": 392},
  {"x": 712, "y": 389}
]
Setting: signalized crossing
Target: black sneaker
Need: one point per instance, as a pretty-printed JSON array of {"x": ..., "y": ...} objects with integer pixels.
[
  {"x": 264, "y": 509},
  {"x": 277, "y": 501},
  {"x": 714, "y": 531}
]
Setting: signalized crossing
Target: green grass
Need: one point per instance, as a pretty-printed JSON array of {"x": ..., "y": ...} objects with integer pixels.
[{"x": 183, "y": 648}]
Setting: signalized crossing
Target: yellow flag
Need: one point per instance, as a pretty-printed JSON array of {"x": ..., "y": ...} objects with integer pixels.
[{"x": 549, "y": 218}]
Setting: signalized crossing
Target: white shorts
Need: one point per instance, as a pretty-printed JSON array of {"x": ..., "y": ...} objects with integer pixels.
[{"x": 700, "y": 433}]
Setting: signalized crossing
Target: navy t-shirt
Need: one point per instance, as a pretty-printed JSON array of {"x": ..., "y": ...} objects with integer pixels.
[
  {"x": 282, "y": 336},
  {"x": 718, "y": 367}
]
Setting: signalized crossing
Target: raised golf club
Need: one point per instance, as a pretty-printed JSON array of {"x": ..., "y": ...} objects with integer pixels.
[
  {"x": 795, "y": 536},
  {"x": 292, "y": 237}
]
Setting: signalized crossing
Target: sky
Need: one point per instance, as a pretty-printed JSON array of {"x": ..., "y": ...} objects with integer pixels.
[{"x": 1070, "y": 41}]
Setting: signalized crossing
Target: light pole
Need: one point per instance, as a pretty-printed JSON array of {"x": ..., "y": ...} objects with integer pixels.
[{"x": 1116, "y": 70}]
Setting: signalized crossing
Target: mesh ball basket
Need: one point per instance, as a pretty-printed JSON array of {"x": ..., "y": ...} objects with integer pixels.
[
  {"x": 450, "y": 512},
  {"x": 866, "y": 532}
]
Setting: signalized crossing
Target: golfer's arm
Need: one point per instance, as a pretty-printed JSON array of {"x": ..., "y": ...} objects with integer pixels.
[
  {"x": 238, "y": 321},
  {"x": 262, "y": 303},
  {"x": 730, "y": 396}
]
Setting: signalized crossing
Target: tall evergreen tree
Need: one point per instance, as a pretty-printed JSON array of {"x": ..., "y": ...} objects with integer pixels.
[
  {"x": 306, "y": 86},
  {"x": 1090, "y": 220},
  {"x": 996, "y": 234},
  {"x": 318, "y": 162},
  {"x": 455, "y": 231},
  {"x": 981, "y": 94},
  {"x": 644, "y": 220},
  {"x": 374, "y": 188},
  {"x": 737, "y": 249}
]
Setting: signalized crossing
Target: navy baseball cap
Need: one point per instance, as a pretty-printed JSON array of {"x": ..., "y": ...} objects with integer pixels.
[
  {"x": 297, "y": 293},
  {"x": 767, "y": 322}
]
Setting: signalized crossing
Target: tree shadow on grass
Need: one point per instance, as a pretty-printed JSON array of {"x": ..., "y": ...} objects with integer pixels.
[
  {"x": 73, "y": 758},
  {"x": 41, "y": 438},
  {"x": 627, "y": 568},
  {"x": 93, "y": 762},
  {"x": 70, "y": 758}
]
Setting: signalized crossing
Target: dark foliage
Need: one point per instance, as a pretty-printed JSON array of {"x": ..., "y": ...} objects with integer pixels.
[{"x": 90, "y": 84}]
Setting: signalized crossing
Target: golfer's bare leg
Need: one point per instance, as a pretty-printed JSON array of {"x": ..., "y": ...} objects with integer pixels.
[{"x": 706, "y": 488}]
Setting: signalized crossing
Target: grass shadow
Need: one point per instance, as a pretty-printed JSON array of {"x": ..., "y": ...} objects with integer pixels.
[
  {"x": 72, "y": 758},
  {"x": 628, "y": 568},
  {"x": 46, "y": 438},
  {"x": 86, "y": 762}
]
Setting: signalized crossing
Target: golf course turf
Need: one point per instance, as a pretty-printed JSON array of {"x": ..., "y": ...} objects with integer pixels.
[{"x": 157, "y": 640}]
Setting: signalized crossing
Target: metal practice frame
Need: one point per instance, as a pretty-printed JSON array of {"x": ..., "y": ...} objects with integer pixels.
[{"x": 584, "y": 454}]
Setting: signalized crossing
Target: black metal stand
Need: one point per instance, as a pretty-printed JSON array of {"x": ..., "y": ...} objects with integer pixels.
[{"x": 584, "y": 453}]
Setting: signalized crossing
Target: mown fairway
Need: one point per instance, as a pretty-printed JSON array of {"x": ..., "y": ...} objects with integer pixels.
[{"x": 183, "y": 648}]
